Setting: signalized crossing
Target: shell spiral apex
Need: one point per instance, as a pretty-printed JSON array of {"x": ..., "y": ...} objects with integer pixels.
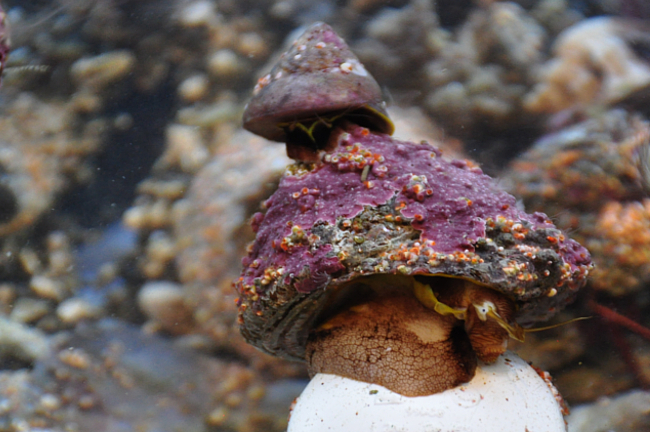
[{"x": 315, "y": 83}]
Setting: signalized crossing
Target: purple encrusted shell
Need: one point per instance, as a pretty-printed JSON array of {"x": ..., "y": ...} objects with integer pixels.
[
  {"x": 318, "y": 75},
  {"x": 376, "y": 205}
]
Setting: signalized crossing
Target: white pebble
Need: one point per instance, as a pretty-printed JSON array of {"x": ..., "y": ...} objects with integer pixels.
[
  {"x": 197, "y": 14},
  {"x": 74, "y": 310},
  {"x": 50, "y": 402},
  {"x": 185, "y": 148},
  {"x": 163, "y": 302},
  {"x": 225, "y": 63},
  {"x": 161, "y": 247},
  {"x": 25, "y": 341},
  {"x": 27, "y": 310},
  {"x": 46, "y": 287},
  {"x": 135, "y": 218},
  {"x": 103, "y": 69},
  {"x": 194, "y": 88}
]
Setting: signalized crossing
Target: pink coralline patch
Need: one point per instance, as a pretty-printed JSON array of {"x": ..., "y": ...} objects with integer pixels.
[
  {"x": 447, "y": 202},
  {"x": 329, "y": 36},
  {"x": 376, "y": 205},
  {"x": 452, "y": 199}
]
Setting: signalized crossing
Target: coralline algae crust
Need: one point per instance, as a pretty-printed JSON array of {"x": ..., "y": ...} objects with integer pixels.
[{"x": 377, "y": 205}]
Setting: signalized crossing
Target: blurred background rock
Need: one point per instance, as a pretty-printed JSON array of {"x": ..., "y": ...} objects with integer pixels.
[{"x": 126, "y": 185}]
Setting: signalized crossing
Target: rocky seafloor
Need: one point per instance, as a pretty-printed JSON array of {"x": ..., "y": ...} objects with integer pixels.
[{"x": 127, "y": 183}]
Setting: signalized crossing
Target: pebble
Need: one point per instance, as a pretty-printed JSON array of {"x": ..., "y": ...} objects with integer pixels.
[
  {"x": 211, "y": 115},
  {"x": 75, "y": 357},
  {"x": 75, "y": 309},
  {"x": 225, "y": 63},
  {"x": 628, "y": 412},
  {"x": 28, "y": 310},
  {"x": 164, "y": 303},
  {"x": 50, "y": 402},
  {"x": 252, "y": 45},
  {"x": 161, "y": 249},
  {"x": 185, "y": 148},
  {"x": 101, "y": 70},
  {"x": 23, "y": 341},
  {"x": 198, "y": 14},
  {"x": 194, "y": 88},
  {"x": 48, "y": 288}
]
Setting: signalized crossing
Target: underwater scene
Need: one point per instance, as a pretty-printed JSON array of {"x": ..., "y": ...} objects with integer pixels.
[{"x": 324, "y": 215}]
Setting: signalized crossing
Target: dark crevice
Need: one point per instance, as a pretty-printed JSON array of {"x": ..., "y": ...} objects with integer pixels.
[
  {"x": 493, "y": 150},
  {"x": 29, "y": 6},
  {"x": 463, "y": 349},
  {"x": 12, "y": 362},
  {"x": 125, "y": 160},
  {"x": 453, "y": 13},
  {"x": 8, "y": 203}
]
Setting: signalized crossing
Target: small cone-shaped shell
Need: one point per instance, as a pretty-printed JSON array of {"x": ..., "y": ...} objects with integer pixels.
[{"x": 317, "y": 77}]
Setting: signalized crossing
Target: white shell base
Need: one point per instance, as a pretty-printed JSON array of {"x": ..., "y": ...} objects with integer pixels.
[{"x": 507, "y": 396}]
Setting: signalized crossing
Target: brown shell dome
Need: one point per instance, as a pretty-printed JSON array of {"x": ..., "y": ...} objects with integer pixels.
[{"x": 317, "y": 79}]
